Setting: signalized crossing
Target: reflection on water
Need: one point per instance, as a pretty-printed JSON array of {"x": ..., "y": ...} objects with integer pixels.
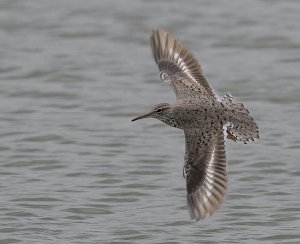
[{"x": 74, "y": 169}]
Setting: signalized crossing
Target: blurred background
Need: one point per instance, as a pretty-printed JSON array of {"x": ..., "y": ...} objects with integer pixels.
[{"x": 75, "y": 169}]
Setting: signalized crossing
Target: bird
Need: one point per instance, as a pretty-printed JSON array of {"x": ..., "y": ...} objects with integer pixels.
[{"x": 206, "y": 120}]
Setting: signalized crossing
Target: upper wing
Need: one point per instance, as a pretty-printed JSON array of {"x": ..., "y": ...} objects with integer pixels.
[
  {"x": 205, "y": 172},
  {"x": 177, "y": 65}
]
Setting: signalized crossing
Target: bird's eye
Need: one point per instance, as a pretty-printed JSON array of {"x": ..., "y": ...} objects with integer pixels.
[{"x": 158, "y": 110}]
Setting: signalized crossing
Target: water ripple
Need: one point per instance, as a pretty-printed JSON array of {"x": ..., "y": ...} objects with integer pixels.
[{"x": 73, "y": 167}]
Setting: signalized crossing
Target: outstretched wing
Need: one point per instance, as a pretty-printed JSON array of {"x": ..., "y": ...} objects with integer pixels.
[
  {"x": 205, "y": 172},
  {"x": 177, "y": 65}
]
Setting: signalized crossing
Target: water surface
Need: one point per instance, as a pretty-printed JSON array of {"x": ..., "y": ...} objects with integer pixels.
[{"x": 74, "y": 169}]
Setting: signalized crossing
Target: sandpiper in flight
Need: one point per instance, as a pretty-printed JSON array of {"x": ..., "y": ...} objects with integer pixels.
[{"x": 205, "y": 120}]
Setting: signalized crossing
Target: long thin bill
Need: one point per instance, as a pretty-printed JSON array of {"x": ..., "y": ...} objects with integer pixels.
[{"x": 142, "y": 116}]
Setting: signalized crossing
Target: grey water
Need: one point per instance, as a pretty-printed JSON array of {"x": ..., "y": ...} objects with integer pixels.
[{"x": 75, "y": 169}]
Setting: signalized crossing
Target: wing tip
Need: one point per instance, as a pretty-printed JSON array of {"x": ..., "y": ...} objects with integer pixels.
[
  {"x": 201, "y": 206},
  {"x": 168, "y": 51}
]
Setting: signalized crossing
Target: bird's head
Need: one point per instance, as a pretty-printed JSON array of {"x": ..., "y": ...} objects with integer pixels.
[{"x": 160, "y": 111}]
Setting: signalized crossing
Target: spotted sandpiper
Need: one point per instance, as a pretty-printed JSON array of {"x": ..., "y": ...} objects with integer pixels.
[{"x": 205, "y": 119}]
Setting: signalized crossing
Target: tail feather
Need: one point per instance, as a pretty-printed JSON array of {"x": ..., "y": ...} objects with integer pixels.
[{"x": 242, "y": 126}]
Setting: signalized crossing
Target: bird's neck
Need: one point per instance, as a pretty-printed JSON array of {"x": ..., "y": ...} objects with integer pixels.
[{"x": 172, "y": 121}]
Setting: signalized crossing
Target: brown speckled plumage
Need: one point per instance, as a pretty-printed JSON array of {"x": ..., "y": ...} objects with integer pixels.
[{"x": 204, "y": 119}]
